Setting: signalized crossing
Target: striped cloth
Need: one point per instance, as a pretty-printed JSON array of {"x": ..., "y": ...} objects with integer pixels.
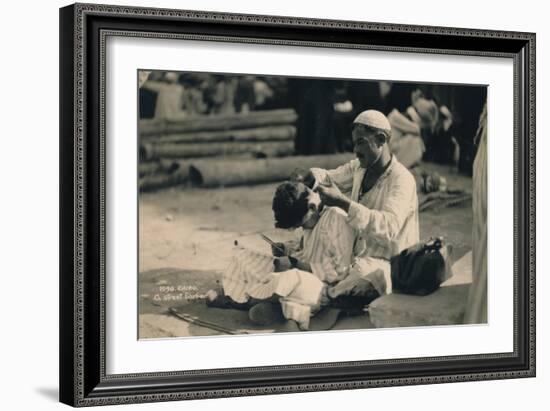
[{"x": 246, "y": 270}]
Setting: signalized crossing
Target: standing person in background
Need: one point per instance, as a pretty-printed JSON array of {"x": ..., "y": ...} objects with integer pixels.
[
  {"x": 147, "y": 98},
  {"x": 382, "y": 95},
  {"x": 476, "y": 309},
  {"x": 252, "y": 94},
  {"x": 192, "y": 97},
  {"x": 169, "y": 96},
  {"x": 316, "y": 118},
  {"x": 147, "y": 103},
  {"x": 143, "y": 76},
  {"x": 466, "y": 107},
  {"x": 407, "y": 142},
  {"x": 223, "y": 96}
]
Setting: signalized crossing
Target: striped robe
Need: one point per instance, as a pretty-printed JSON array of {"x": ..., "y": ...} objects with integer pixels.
[{"x": 327, "y": 247}]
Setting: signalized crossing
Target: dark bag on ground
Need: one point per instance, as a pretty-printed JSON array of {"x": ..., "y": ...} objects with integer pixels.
[{"x": 420, "y": 269}]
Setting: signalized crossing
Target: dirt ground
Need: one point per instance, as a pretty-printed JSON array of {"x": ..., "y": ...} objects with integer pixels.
[{"x": 186, "y": 237}]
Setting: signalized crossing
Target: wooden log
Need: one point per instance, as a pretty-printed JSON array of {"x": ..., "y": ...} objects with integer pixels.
[
  {"x": 158, "y": 181},
  {"x": 148, "y": 126},
  {"x": 251, "y": 119},
  {"x": 148, "y": 168},
  {"x": 274, "y": 133},
  {"x": 212, "y": 173},
  {"x": 265, "y": 149},
  {"x": 176, "y": 174},
  {"x": 165, "y": 166}
]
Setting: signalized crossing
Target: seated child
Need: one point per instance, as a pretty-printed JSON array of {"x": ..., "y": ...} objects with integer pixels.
[{"x": 297, "y": 278}]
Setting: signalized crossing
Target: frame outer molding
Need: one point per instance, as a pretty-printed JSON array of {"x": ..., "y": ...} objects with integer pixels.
[{"x": 73, "y": 195}]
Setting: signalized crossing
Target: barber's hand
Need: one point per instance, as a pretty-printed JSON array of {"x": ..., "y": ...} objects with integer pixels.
[
  {"x": 331, "y": 196},
  {"x": 278, "y": 250},
  {"x": 282, "y": 264}
]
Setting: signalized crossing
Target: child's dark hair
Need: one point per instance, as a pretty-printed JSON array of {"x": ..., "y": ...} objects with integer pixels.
[{"x": 290, "y": 204}]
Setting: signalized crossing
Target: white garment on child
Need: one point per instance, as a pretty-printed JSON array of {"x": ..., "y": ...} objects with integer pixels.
[
  {"x": 250, "y": 275},
  {"x": 299, "y": 290}
]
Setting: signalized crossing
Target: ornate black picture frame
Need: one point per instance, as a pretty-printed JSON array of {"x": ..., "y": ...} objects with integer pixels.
[{"x": 83, "y": 30}]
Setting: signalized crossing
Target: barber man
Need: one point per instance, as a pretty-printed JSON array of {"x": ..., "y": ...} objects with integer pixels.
[{"x": 379, "y": 195}]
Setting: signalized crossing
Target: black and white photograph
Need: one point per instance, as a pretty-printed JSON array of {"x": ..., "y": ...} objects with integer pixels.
[
  {"x": 278, "y": 204},
  {"x": 283, "y": 205}
]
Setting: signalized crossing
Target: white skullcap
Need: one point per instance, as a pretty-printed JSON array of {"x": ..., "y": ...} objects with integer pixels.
[{"x": 373, "y": 118}]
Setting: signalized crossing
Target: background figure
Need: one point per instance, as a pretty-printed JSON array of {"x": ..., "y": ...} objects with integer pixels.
[
  {"x": 245, "y": 99},
  {"x": 223, "y": 95},
  {"x": 344, "y": 113},
  {"x": 147, "y": 97},
  {"x": 441, "y": 145},
  {"x": 465, "y": 104},
  {"x": 252, "y": 94},
  {"x": 408, "y": 127},
  {"x": 169, "y": 95},
  {"x": 143, "y": 76},
  {"x": 193, "y": 98},
  {"x": 476, "y": 309},
  {"x": 315, "y": 125},
  {"x": 383, "y": 96}
]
